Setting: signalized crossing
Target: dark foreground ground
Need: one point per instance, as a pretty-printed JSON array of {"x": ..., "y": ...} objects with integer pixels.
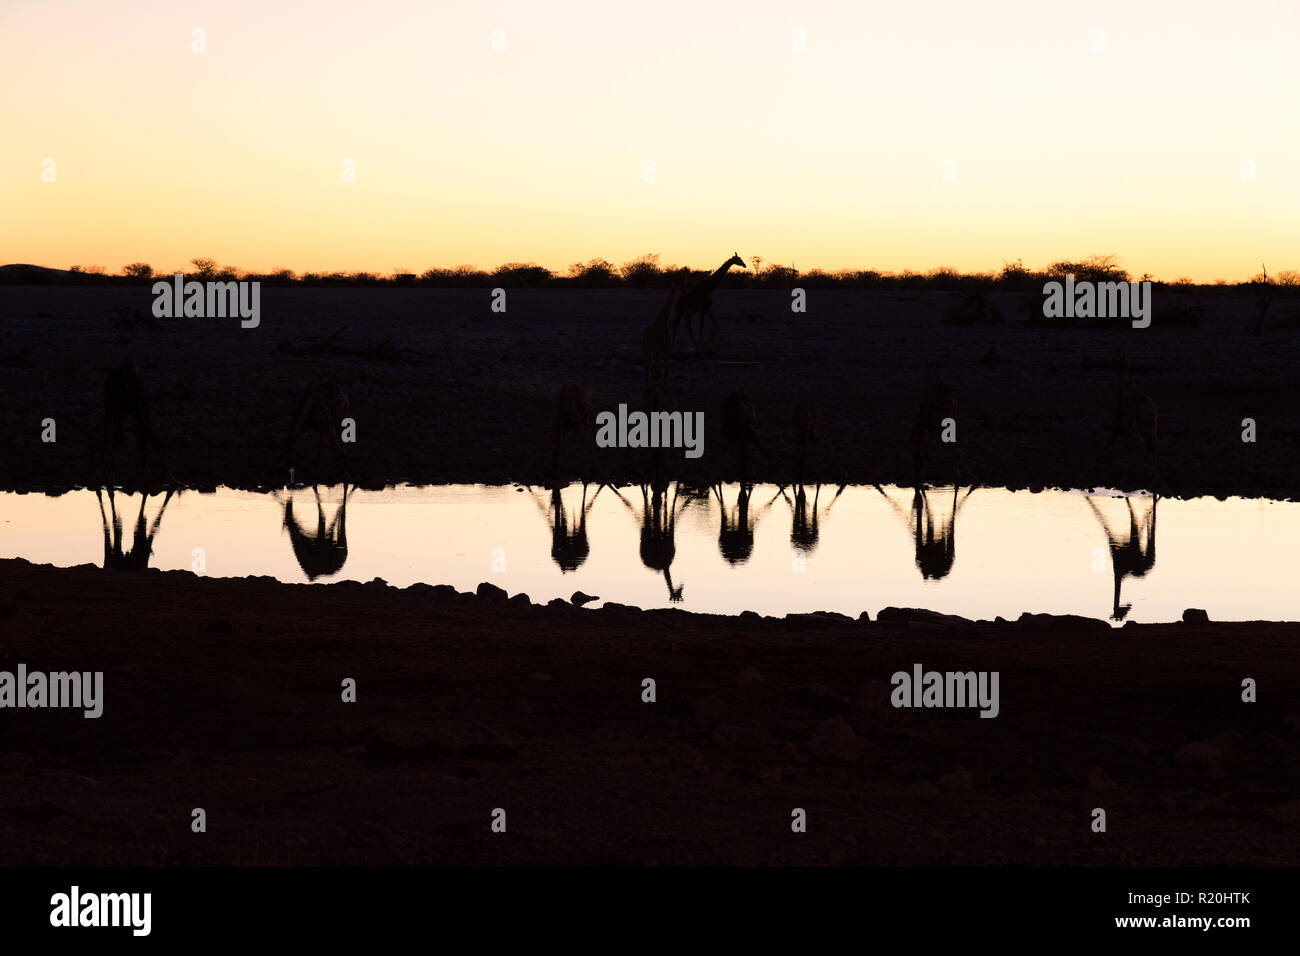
[
  {"x": 443, "y": 389},
  {"x": 225, "y": 695}
]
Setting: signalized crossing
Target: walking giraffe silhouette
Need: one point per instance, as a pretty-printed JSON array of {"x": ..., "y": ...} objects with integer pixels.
[{"x": 698, "y": 300}]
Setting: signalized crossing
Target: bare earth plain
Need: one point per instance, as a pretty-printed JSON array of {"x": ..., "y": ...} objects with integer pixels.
[
  {"x": 444, "y": 389},
  {"x": 225, "y": 694}
]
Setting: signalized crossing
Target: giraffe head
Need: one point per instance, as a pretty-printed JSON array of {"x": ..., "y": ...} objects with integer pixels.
[{"x": 735, "y": 260}]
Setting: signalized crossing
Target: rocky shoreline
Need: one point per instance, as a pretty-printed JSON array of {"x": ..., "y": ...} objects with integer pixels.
[{"x": 225, "y": 695}]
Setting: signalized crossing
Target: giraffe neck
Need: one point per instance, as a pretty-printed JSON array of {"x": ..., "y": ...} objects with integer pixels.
[
  {"x": 717, "y": 273},
  {"x": 666, "y": 311},
  {"x": 709, "y": 281}
]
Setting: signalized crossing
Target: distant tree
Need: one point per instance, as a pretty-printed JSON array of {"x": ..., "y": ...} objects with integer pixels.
[
  {"x": 778, "y": 276},
  {"x": 859, "y": 278},
  {"x": 943, "y": 277},
  {"x": 204, "y": 267},
  {"x": 1288, "y": 277},
  {"x": 281, "y": 274},
  {"x": 327, "y": 278},
  {"x": 1014, "y": 275},
  {"x": 594, "y": 272},
  {"x": 462, "y": 275},
  {"x": 522, "y": 274},
  {"x": 643, "y": 270},
  {"x": 138, "y": 270},
  {"x": 1091, "y": 269}
]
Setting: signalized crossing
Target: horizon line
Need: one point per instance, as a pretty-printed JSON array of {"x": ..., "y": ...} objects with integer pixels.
[{"x": 648, "y": 264}]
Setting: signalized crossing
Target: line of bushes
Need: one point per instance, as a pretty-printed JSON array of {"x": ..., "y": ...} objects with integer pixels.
[{"x": 646, "y": 272}]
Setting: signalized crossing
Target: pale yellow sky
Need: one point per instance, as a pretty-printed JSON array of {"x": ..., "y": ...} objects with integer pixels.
[{"x": 1173, "y": 145}]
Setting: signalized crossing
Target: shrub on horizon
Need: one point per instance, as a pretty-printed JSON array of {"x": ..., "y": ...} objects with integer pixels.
[
  {"x": 598, "y": 272},
  {"x": 643, "y": 270},
  {"x": 777, "y": 276},
  {"x": 522, "y": 274},
  {"x": 1092, "y": 269}
]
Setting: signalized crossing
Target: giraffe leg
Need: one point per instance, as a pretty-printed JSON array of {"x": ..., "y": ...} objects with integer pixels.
[
  {"x": 113, "y": 430},
  {"x": 343, "y": 453},
  {"x": 320, "y": 446},
  {"x": 108, "y": 546}
]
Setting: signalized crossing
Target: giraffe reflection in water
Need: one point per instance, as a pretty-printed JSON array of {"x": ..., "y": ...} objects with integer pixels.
[
  {"x": 1132, "y": 554},
  {"x": 736, "y": 534},
  {"x": 934, "y": 531},
  {"x": 324, "y": 552},
  {"x": 805, "y": 517},
  {"x": 658, "y": 540},
  {"x": 569, "y": 544},
  {"x": 136, "y": 558}
]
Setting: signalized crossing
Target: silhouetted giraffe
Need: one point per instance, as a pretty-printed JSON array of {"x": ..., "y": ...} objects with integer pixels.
[
  {"x": 572, "y": 409},
  {"x": 807, "y": 433},
  {"x": 1136, "y": 419},
  {"x": 739, "y": 428},
  {"x": 698, "y": 300},
  {"x": 658, "y": 397},
  {"x": 126, "y": 396},
  {"x": 321, "y": 409},
  {"x": 657, "y": 343},
  {"x": 937, "y": 405}
]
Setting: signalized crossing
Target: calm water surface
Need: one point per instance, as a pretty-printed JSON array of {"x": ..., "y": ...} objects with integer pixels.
[{"x": 978, "y": 553}]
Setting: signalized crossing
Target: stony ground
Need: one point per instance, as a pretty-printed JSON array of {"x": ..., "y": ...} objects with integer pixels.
[{"x": 225, "y": 695}]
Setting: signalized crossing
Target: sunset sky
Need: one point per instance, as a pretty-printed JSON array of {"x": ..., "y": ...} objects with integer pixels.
[{"x": 829, "y": 157}]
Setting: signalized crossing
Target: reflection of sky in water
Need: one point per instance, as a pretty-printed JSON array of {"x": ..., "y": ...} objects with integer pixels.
[{"x": 1011, "y": 551}]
